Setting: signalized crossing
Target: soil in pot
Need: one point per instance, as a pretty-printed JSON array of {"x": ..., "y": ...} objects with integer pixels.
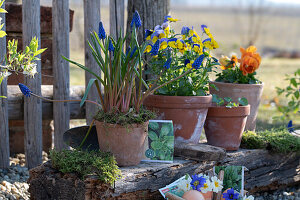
[
  {"x": 188, "y": 114},
  {"x": 126, "y": 142},
  {"x": 224, "y": 126},
  {"x": 252, "y": 92}
]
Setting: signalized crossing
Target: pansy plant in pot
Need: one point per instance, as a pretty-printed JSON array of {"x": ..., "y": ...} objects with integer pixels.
[
  {"x": 186, "y": 100},
  {"x": 121, "y": 122},
  {"x": 225, "y": 122},
  {"x": 237, "y": 79}
]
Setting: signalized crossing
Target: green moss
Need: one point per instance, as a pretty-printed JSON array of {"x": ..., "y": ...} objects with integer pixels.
[
  {"x": 276, "y": 140},
  {"x": 84, "y": 163},
  {"x": 132, "y": 117}
]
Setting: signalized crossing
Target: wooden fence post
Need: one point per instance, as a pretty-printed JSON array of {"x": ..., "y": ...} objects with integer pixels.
[
  {"x": 116, "y": 17},
  {"x": 61, "y": 71},
  {"x": 4, "y": 133},
  {"x": 32, "y": 106},
  {"x": 91, "y": 23}
]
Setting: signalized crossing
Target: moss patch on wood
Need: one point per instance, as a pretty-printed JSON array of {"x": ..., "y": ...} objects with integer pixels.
[
  {"x": 85, "y": 163},
  {"x": 276, "y": 140}
]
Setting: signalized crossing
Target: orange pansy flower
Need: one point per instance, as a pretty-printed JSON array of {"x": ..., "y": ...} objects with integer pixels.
[
  {"x": 228, "y": 63},
  {"x": 250, "y": 60}
]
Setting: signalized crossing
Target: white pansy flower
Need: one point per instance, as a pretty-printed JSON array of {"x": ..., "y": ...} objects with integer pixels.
[
  {"x": 185, "y": 185},
  {"x": 248, "y": 198},
  {"x": 217, "y": 185},
  {"x": 207, "y": 186},
  {"x": 4, "y": 74}
]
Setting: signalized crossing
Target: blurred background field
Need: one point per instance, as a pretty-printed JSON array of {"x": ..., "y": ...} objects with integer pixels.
[{"x": 271, "y": 25}]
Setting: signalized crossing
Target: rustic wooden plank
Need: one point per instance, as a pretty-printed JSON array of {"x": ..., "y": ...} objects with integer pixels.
[
  {"x": 32, "y": 106},
  {"x": 61, "y": 70},
  {"x": 91, "y": 23},
  {"x": 4, "y": 133},
  {"x": 16, "y": 104},
  {"x": 116, "y": 17}
]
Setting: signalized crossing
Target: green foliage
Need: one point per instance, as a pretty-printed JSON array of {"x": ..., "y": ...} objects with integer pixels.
[
  {"x": 161, "y": 140},
  {"x": 235, "y": 75},
  {"x": 276, "y": 140},
  {"x": 227, "y": 101},
  {"x": 131, "y": 117},
  {"x": 84, "y": 163},
  {"x": 232, "y": 177},
  {"x": 292, "y": 94}
]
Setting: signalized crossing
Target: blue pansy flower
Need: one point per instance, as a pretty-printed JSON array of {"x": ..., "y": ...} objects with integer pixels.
[
  {"x": 203, "y": 27},
  {"x": 101, "y": 32},
  {"x": 25, "y": 90},
  {"x": 197, "y": 182},
  {"x": 155, "y": 48},
  {"x": 168, "y": 63},
  {"x": 185, "y": 30},
  {"x": 197, "y": 63},
  {"x": 230, "y": 194},
  {"x": 111, "y": 47},
  {"x": 206, "y": 40},
  {"x": 136, "y": 20},
  {"x": 186, "y": 61},
  {"x": 148, "y": 32}
]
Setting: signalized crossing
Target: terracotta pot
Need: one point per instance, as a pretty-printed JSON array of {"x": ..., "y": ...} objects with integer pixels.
[
  {"x": 252, "y": 92},
  {"x": 126, "y": 143},
  {"x": 188, "y": 114},
  {"x": 224, "y": 126},
  {"x": 208, "y": 195}
]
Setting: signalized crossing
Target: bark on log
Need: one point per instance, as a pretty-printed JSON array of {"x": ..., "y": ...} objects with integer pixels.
[{"x": 266, "y": 172}]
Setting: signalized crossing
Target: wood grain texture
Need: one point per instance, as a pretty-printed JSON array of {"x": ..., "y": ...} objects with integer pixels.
[
  {"x": 4, "y": 133},
  {"x": 32, "y": 106},
  {"x": 116, "y": 17},
  {"x": 91, "y": 23},
  {"x": 61, "y": 70},
  {"x": 16, "y": 103}
]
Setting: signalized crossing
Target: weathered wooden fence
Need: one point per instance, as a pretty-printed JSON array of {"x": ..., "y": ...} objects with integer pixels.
[{"x": 34, "y": 109}]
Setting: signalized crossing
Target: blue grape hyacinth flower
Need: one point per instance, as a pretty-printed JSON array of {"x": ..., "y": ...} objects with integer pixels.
[
  {"x": 290, "y": 126},
  {"x": 198, "y": 62},
  {"x": 25, "y": 90},
  {"x": 155, "y": 48},
  {"x": 111, "y": 47},
  {"x": 168, "y": 63},
  {"x": 101, "y": 33},
  {"x": 136, "y": 20}
]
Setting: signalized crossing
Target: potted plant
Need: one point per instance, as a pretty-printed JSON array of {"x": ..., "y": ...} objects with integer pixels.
[
  {"x": 121, "y": 122},
  {"x": 225, "y": 122},
  {"x": 239, "y": 81},
  {"x": 186, "y": 100}
]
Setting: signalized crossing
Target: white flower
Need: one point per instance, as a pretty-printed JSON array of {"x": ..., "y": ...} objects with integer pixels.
[
  {"x": 204, "y": 176},
  {"x": 29, "y": 70},
  {"x": 185, "y": 185},
  {"x": 4, "y": 74},
  {"x": 217, "y": 185},
  {"x": 207, "y": 187},
  {"x": 248, "y": 198}
]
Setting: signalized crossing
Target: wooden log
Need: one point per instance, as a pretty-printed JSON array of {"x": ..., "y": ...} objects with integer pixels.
[
  {"x": 116, "y": 17},
  {"x": 91, "y": 23},
  {"x": 16, "y": 104},
  {"x": 61, "y": 71},
  {"x": 32, "y": 106},
  {"x": 267, "y": 171},
  {"x": 4, "y": 133}
]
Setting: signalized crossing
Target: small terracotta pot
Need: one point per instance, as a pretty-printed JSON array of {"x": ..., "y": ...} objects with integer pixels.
[
  {"x": 224, "y": 126},
  {"x": 188, "y": 114},
  {"x": 208, "y": 195},
  {"x": 252, "y": 92},
  {"x": 126, "y": 143}
]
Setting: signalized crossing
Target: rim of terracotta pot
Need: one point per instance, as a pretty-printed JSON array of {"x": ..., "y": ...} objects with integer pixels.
[
  {"x": 164, "y": 101},
  {"x": 222, "y": 111},
  {"x": 109, "y": 125},
  {"x": 241, "y": 84}
]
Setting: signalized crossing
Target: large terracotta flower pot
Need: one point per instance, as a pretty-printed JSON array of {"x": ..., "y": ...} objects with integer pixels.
[
  {"x": 224, "y": 126},
  {"x": 188, "y": 114},
  {"x": 208, "y": 195},
  {"x": 126, "y": 143},
  {"x": 252, "y": 92}
]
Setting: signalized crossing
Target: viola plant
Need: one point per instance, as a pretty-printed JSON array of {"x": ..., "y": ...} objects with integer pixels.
[
  {"x": 174, "y": 55},
  {"x": 241, "y": 70},
  {"x": 231, "y": 195}
]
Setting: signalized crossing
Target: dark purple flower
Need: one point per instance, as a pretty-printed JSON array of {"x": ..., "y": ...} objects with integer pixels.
[{"x": 25, "y": 90}]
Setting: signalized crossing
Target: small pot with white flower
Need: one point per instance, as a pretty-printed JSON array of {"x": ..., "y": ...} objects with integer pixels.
[{"x": 225, "y": 122}]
